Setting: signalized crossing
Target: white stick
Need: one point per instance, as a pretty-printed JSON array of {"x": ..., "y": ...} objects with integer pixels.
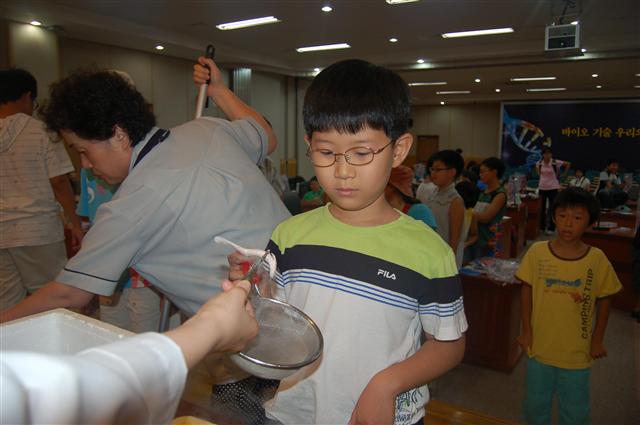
[{"x": 202, "y": 93}]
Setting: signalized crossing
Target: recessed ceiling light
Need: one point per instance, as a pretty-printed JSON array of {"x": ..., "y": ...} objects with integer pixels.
[
  {"x": 454, "y": 92},
  {"x": 400, "y": 1},
  {"x": 598, "y": 86},
  {"x": 442, "y": 102},
  {"x": 393, "y": 40},
  {"x": 516, "y": 79},
  {"x": 420, "y": 61},
  {"x": 549, "y": 89},
  {"x": 35, "y": 23},
  {"x": 316, "y": 69},
  {"x": 428, "y": 83},
  {"x": 637, "y": 75},
  {"x": 477, "y": 80},
  {"x": 159, "y": 47},
  {"x": 583, "y": 50},
  {"x": 594, "y": 75},
  {"x": 636, "y": 87},
  {"x": 574, "y": 22},
  {"x": 327, "y": 9},
  {"x": 248, "y": 23},
  {"x": 323, "y": 47},
  {"x": 497, "y": 90},
  {"x": 477, "y": 32}
]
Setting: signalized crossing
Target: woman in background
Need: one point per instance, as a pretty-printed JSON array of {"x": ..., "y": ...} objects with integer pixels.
[{"x": 549, "y": 168}]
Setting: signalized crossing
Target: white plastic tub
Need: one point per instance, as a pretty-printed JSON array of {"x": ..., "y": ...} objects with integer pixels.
[{"x": 58, "y": 331}]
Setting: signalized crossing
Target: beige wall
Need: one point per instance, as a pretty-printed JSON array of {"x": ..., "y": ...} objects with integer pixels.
[
  {"x": 166, "y": 83},
  {"x": 35, "y": 50},
  {"x": 473, "y": 128}
]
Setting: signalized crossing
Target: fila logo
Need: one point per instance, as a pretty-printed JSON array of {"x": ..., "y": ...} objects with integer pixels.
[{"x": 386, "y": 274}]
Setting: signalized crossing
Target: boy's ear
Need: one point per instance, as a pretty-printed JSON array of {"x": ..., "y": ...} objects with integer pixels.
[{"x": 401, "y": 148}]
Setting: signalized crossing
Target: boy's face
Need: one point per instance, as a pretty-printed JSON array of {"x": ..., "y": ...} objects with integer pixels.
[
  {"x": 571, "y": 222},
  {"x": 357, "y": 191},
  {"x": 314, "y": 186},
  {"x": 441, "y": 174},
  {"x": 579, "y": 173}
]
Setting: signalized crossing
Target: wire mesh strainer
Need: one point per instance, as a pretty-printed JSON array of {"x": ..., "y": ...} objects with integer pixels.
[{"x": 287, "y": 338}]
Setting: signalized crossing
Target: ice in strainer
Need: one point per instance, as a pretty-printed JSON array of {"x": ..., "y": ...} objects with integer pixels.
[{"x": 287, "y": 338}]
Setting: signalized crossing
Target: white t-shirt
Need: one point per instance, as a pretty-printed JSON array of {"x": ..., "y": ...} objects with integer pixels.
[
  {"x": 29, "y": 214},
  {"x": 582, "y": 182}
]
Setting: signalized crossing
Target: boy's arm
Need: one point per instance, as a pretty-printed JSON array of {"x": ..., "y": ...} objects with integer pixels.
[
  {"x": 603, "y": 306},
  {"x": 232, "y": 106},
  {"x": 50, "y": 296},
  {"x": 456, "y": 221},
  {"x": 63, "y": 192},
  {"x": 526, "y": 300},
  {"x": 377, "y": 403}
]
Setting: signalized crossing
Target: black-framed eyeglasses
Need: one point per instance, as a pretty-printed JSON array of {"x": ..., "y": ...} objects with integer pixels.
[
  {"x": 355, "y": 156},
  {"x": 435, "y": 170}
]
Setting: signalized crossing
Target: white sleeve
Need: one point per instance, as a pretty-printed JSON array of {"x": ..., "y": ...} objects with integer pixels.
[{"x": 135, "y": 380}]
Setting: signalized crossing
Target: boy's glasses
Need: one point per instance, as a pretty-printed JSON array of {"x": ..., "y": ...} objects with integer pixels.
[
  {"x": 354, "y": 156},
  {"x": 435, "y": 170}
]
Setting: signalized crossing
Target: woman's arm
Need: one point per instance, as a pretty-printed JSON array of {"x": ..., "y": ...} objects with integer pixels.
[
  {"x": 232, "y": 106},
  {"x": 492, "y": 210}
]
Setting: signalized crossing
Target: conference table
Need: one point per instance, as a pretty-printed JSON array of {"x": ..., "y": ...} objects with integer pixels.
[
  {"x": 616, "y": 244},
  {"x": 493, "y": 309}
]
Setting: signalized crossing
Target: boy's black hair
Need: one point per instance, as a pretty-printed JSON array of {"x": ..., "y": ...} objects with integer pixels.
[
  {"x": 494, "y": 163},
  {"x": 469, "y": 192},
  {"x": 14, "y": 83},
  {"x": 353, "y": 94},
  {"x": 471, "y": 175},
  {"x": 450, "y": 159},
  {"x": 572, "y": 197},
  {"x": 612, "y": 161},
  {"x": 92, "y": 103}
]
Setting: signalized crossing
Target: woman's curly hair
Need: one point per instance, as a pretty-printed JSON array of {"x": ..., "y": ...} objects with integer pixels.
[{"x": 92, "y": 103}]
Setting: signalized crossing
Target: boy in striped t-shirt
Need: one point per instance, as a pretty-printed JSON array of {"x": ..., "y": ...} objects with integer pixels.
[{"x": 371, "y": 277}]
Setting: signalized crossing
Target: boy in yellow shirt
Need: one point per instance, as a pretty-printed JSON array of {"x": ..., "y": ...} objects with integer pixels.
[{"x": 565, "y": 282}]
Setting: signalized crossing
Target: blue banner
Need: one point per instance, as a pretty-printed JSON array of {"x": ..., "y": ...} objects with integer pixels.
[{"x": 586, "y": 134}]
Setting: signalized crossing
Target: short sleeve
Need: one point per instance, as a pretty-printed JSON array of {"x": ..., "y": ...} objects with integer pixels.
[
  {"x": 250, "y": 136},
  {"x": 525, "y": 271},
  {"x": 608, "y": 282},
  {"x": 58, "y": 162},
  {"x": 112, "y": 243},
  {"x": 441, "y": 304}
]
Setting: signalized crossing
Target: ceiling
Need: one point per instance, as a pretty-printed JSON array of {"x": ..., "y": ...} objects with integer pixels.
[{"x": 610, "y": 31}]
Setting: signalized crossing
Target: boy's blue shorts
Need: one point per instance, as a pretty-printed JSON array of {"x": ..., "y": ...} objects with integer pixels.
[{"x": 571, "y": 386}]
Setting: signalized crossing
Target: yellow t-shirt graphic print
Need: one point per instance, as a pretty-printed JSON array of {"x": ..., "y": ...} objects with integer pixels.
[{"x": 564, "y": 295}]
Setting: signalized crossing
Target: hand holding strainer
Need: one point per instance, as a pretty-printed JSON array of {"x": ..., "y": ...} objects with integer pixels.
[{"x": 287, "y": 338}]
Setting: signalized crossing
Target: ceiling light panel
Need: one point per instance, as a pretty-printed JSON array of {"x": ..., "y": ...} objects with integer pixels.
[
  {"x": 548, "y": 89},
  {"x": 401, "y": 1},
  {"x": 477, "y": 33},
  {"x": 428, "y": 83},
  {"x": 323, "y": 47},
  {"x": 454, "y": 92},
  {"x": 248, "y": 23},
  {"x": 520, "y": 79}
]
